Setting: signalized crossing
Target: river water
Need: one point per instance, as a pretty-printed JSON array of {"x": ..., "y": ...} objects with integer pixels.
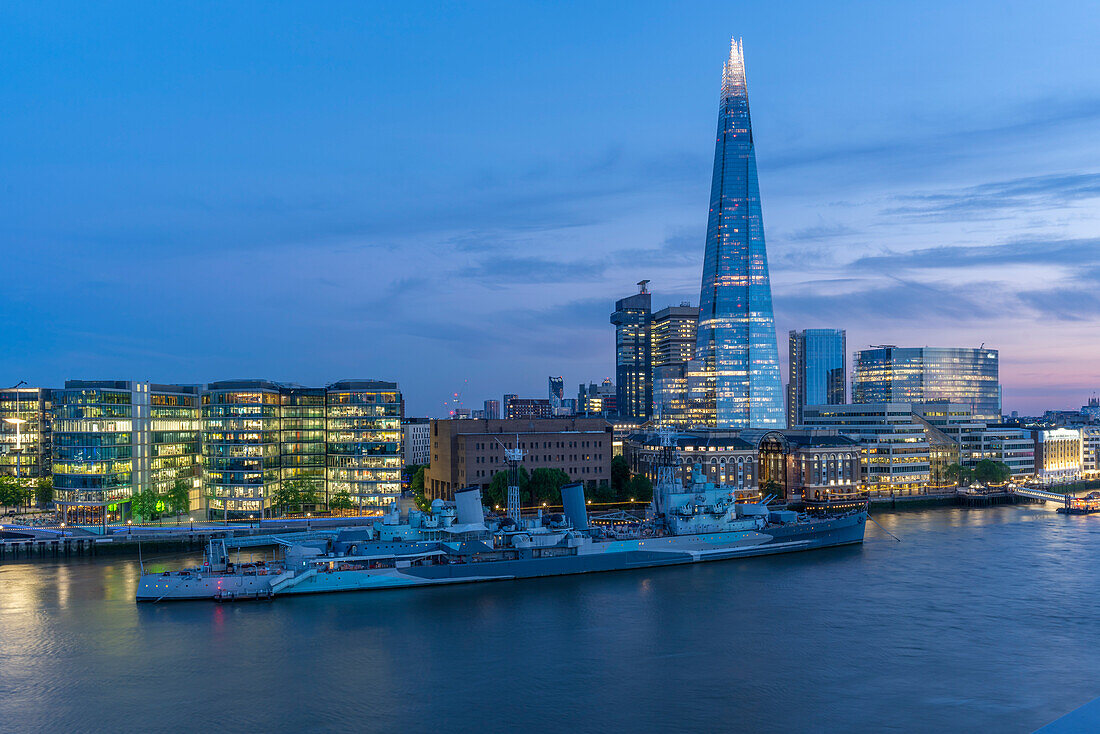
[{"x": 977, "y": 620}]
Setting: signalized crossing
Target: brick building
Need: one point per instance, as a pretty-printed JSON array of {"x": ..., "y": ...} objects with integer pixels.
[{"x": 469, "y": 452}]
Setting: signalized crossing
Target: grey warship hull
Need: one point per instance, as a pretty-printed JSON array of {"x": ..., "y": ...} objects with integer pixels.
[{"x": 427, "y": 564}]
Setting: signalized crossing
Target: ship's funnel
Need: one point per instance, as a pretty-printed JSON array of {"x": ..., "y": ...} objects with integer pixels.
[
  {"x": 468, "y": 505},
  {"x": 572, "y": 500}
]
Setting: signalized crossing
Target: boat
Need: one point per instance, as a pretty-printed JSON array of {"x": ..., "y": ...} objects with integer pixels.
[{"x": 461, "y": 542}]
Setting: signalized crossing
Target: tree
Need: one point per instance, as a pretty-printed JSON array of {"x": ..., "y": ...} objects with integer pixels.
[
  {"x": 179, "y": 498},
  {"x": 498, "y": 487},
  {"x": 988, "y": 471},
  {"x": 417, "y": 486},
  {"x": 959, "y": 474},
  {"x": 43, "y": 491},
  {"x": 639, "y": 488},
  {"x": 8, "y": 491},
  {"x": 771, "y": 487},
  {"x": 342, "y": 501},
  {"x": 620, "y": 476},
  {"x": 545, "y": 485},
  {"x": 282, "y": 499},
  {"x": 143, "y": 504}
]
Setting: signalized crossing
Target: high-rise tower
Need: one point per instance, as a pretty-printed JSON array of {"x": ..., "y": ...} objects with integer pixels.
[{"x": 734, "y": 381}]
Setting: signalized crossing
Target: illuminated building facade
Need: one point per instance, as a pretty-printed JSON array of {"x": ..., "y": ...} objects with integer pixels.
[
  {"x": 492, "y": 409},
  {"x": 672, "y": 337},
  {"x": 240, "y": 446},
  {"x": 364, "y": 441},
  {"x": 900, "y": 452},
  {"x": 112, "y": 439},
  {"x": 556, "y": 390},
  {"x": 1012, "y": 446},
  {"x": 25, "y": 446},
  {"x": 633, "y": 363},
  {"x": 928, "y": 374},
  {"x": 817, "y": 371},
  {"x": 599, "y": 399},
  {"x": 528, "y": 408},
  {"x": 1058, "y": 453},
  {"x": 302, "y": 441},
  {"x": 734, "y": 381}
]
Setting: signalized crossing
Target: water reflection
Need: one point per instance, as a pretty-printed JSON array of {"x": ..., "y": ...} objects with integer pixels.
[{"x": 976, "y": 620}]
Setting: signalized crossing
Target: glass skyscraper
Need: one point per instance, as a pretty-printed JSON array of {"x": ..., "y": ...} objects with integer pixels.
[
  {"x": 970, "y": 377},
  {"x": 633, "y": 360},
  {"x": 734, "y": 381},
  {"x": 817, "y": 371}
]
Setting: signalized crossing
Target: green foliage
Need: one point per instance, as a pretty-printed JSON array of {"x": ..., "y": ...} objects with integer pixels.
[
  {"x": 959, "y": 473},
  {"x": 417, "y": 486},
  {"x": 143, "y": 505},
  {"x": 342, "y": 501},
  {"x": 639, "y": 488},
  {"x": 178, "y": 497},
  {"x": 770, "y": 487},
  {"x": 293, "y": 495},
  {"x": 545, "y": 485},
  {"x": 620, "y": 477},
  {"x": 9, "y": 491},
  {"x": 498, "y": 487},
  {"x": 988, "y": 471},
  {"x": 43, "y": 491}
]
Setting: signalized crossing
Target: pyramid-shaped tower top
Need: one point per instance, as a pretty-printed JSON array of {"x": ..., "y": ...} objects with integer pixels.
[{"x": 733, "y": 74}]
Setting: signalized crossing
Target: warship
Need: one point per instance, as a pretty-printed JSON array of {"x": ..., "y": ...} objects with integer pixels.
[{"x": 460, "y": 542}]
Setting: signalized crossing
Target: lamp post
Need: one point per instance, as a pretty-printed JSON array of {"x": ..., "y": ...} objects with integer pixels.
[
  {"x": 18, "y": 423},
  {"x": 308, "y": 515}
]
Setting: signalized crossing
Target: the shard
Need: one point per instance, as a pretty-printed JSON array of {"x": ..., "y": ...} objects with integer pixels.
[{"x": 734, "y": 381}]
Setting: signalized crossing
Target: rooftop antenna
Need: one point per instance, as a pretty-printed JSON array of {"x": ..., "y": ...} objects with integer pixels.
[
  {"x": 513, "y": 457},
  {"x": 641, "y": 286}
]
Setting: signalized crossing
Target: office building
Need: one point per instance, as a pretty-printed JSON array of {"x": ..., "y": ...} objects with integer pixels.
[
  {"x": 469, "y": 453},
  {"x": 364, "y": 442},
  {"x": 789, "y": 464},
  {"x": 25, "y": 432},
  {"x": 114, "y": 438},
  {"x": 1059, "y": 454},
  {"x": 556, "y": 391},
  {"x": 900, "y": 452},
  {"x": 927, "y": 374},
  {"x": 672, "y": 338},
  {"x": 1012, "y": 446},
  {"x": 816, "y": 370},
  {"x": 492, "y": 409},
  {"x": 599, "y": 399},
  {"x": 508, "y": 397},
  {"x": 414, "y": 443},
  {"x": 302, "y": 446},
  {"x": 734, "y": 380},
  {"x": 633, "y": 363},
  {"x": 241, "y": 422},
  {"x": 528, "y": 408}
]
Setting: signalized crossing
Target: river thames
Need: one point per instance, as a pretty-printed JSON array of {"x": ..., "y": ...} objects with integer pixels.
[{"x": 981, "y": 619}]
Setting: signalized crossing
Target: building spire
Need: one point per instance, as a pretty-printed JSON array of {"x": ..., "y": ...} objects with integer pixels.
[{"x": 733, "y": 74}]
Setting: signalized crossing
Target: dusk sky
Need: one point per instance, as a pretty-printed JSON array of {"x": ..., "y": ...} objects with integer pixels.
[{"x": 453, "y": 196}]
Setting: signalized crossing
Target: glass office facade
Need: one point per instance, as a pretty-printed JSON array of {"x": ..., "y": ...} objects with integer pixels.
[
  {"x": 302, "y": 440},
  {"x": 240, "y": 446},
  {"x": 25, "y": 449},
  {"x": 93, "y": 445},
  {"x": 633, "y": 359},
  {"x": 817, "y": 371},
  {"x": 929, "y": 374},
  {"x": 364, "y": 441},
  {"x": 735, "y": 380},
  {"x": 175, "y": 450}
]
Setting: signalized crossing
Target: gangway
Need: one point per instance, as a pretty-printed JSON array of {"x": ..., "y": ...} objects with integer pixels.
[{"x": 1041, "y": 494}]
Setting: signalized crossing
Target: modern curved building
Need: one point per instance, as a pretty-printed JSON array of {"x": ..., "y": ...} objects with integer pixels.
[
  {"x": 734, "y": 378},
  {"x": 363, "y": 420},
  {"x": 240, "y": 446},
  {"x": 113, "y": 438}
]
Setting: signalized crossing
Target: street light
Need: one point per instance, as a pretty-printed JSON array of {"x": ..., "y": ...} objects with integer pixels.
[
  {"x": 308, "y": 515},
  {"x": 129, "y": 526}
]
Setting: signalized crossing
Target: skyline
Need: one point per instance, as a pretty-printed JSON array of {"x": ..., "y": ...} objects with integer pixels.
[{"x": 287, "y": 195}]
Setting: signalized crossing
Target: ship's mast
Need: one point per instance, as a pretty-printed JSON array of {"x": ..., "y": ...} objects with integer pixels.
[{"x": 513, "y": 456}]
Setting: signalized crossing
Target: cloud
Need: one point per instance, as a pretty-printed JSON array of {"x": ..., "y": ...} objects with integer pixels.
[
  {"x": 1073, "y": 304},
  {"x": 867, "y": 300},
  {"x": 1069, "y": 252},
  {"x": 1029, "y": 192},
  {"x": 501, "y": 272}
]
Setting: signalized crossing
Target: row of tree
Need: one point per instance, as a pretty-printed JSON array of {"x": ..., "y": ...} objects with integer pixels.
[
  {"x": 544, "y": 485},
  {"x": 22, "y": 492},
  {"x": 294, "y": 495},
  {"x": 986, "y": 471}
]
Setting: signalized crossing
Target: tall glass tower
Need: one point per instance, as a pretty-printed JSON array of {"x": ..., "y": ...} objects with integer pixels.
[{"x": 734, "y": 381}]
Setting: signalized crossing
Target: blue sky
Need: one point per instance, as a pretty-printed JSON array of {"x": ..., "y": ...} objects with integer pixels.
[{"x": 453, "y": 195}]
